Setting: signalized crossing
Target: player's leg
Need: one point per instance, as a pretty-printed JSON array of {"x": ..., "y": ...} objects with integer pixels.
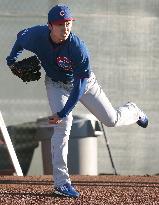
[
  {"x": 57, "y": 97},
  {"x": 97, "y": 102}
]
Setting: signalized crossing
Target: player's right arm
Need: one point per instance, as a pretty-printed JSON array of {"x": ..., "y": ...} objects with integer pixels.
[
  {"x": 25, "y": 40},
  {"x": 16, "y": 50}
]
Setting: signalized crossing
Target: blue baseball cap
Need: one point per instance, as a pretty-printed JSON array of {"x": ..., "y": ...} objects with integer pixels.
[{"x": 60, "y": 13}]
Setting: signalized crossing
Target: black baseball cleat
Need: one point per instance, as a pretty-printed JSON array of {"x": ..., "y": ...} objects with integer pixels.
[
  {"x": 66, "y": 190},
  {"x": 143, "y": 120}
]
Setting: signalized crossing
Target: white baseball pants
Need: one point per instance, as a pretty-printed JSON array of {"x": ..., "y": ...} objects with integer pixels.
[{"x": 95, "y": 100}]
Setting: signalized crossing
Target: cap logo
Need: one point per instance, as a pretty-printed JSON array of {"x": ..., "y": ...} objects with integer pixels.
[{"x": 62, "y": 13}]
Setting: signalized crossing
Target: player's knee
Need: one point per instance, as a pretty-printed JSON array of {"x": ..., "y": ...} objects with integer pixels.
[
  {"x": 63, "y": 128},
  {"x": 112, "y": 122}
]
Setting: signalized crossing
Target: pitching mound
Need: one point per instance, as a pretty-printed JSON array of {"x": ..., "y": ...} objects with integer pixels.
[{"x": 94, "y": 190}]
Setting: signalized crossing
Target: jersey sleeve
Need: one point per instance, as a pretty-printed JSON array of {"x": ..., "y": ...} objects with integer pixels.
[
  {"x": 76, "y": 93},
  {"x": 16, "y": 50},
  {"x": 23, "y": 41},
  {"x": 81, "y": 59}
]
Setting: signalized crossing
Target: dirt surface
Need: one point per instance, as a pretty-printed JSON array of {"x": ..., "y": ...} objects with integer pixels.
[{"x": 94, "y": 190}]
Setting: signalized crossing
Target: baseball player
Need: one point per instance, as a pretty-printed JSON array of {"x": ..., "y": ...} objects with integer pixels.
[{"x": 69, "y": 79}]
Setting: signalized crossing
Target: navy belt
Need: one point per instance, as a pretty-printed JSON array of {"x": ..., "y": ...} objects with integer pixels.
[{"x": 62, "y": 81}]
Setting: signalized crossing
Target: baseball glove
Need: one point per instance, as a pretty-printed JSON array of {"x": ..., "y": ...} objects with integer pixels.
[{"x": 27, "y": 69}]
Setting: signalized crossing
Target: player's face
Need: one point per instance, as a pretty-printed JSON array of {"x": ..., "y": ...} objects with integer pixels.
[{"x": 60, "y": 32}]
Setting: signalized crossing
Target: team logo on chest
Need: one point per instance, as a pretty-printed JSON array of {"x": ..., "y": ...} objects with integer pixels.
[{"x": 64, "y": 63}]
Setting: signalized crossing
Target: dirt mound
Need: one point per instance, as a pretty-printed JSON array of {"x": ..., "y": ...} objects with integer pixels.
[{"x": 94, "y": 190}]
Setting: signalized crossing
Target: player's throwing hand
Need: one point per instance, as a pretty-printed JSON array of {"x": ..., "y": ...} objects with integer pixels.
[{"x": 55, "y": 119}]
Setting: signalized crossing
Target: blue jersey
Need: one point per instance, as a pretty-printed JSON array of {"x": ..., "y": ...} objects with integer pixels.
[
  {"x": 61, "y": 62},
  {"x": 68, "y": 61}
]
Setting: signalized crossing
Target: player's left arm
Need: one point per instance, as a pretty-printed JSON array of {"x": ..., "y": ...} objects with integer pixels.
[
  {"x": 75, "y": 95},
  {"x": 79, "y": 85}
]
